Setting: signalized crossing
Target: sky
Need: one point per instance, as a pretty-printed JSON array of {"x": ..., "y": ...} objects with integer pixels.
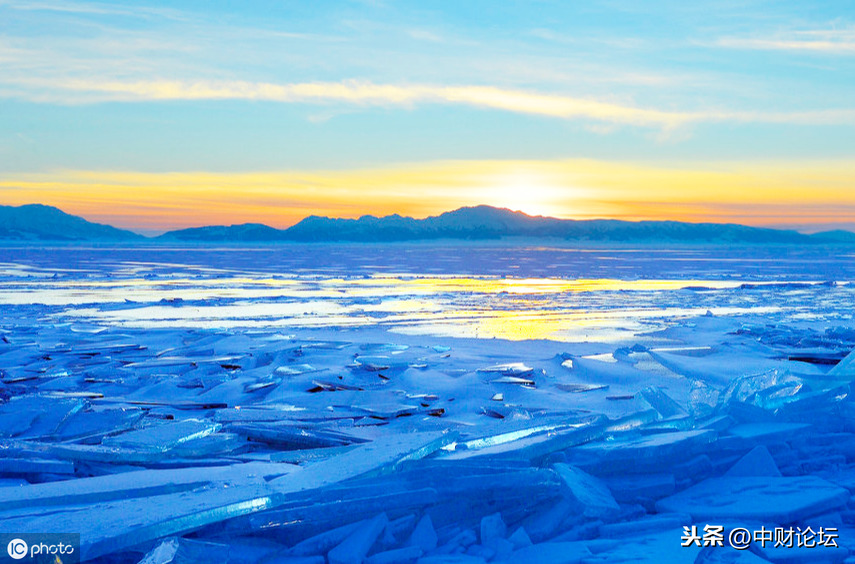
[{"x": 161, "y": 115}]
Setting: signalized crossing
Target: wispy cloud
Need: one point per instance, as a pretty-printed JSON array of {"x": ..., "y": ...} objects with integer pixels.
[
  {"x": 90, "y": 8},
  {"x": 835, "y": 41},
  {"x": 425, "y": 35},
  {"x": 371, "y": 94},
  {"x": 364, "y": 93}
]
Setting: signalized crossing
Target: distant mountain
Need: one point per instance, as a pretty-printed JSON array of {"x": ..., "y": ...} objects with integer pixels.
[
  {"x": 245, "y": 233},
  {"x": 35, "y": 222},
  {"x": 485, "y": 222},
  {"x": 836, "y": 236}
]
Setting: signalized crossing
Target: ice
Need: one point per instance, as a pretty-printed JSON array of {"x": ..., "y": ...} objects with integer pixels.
[
  {"x": 36, "y": 415},
  {"x": 308, "y": 454},
  {"x": 493, "y": 529},
  {"x": 286, "y": 435},
  {"x": 641, "y": 453},
  {"x": 161, "y": 515},
  {"x": 593, "y": 427},
  {"x": 323, "y": 542},
  {"x": 163, "y": 553},
  {"x": 451, "y": 559},
  {"x": 579, "y": 388},
  {"x": 351, "y": 503},
  {"x": 355, "y": 547},
  {"x": 509, "y": 369},
  {"x": 132, "y": 484},
  {"x": 99, "y": 422},
  {"x": 845, "y": 369},
  {"x": 766, "y": 432},
  {"x": 660, "y": 401},
  {"x": 644, "y": 524},
  {"x": 553, "y": 553},
  {"x": 762, "y": 499},
  {"x": 758, "y": 462},
  {"x": 547, "y": 522},
  {"x": 424, "y": 536},
  {"x": 294, "y": 370},
  {"x": 376, "y": 457},
  {"x": 187, "y": 551},
  {"x": 19, "y": 466},
  {"x": 519, "y": 538},
  {"x": 796, "y": 555},
  {"x": 164, "y": 436},
  {"x": 703, "y": 399},
  {"x": 404, "y": 555},
  {"x": 590, "y": 495},
  {"x": 514, "y": 380},
  {"x": 387, "y": 410},
  {"x": 126, "y": 523},
  {"x": 653, "y": 547}
]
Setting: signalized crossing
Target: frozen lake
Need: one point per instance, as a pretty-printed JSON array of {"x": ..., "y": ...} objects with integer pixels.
[
  {"x": 403, "y": 403},
  {"x": 466, "y": 291}
]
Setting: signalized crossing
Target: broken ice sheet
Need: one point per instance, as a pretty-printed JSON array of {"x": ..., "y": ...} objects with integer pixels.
[
  {"x": 333, "y": 507},
  {"x": 355, "y": 547},
  {"x": 387, "y": 410},
  {"x": 272, "y": 412},
  {"x": 287, "y": 435},
  {"x": 113, "y": 526},
  {"x": 766, "y": 499},
  {"x": 36, "y": 415},
  {"x": 390, "y": 348},
  {"x": 184, "y": 361},
  {"x": 529, "y": 441},
  {"x": 99, "y": 422},
  {"x": 579, "y": 388},
  {"x": 639, "y": 453},
  {"x": 133, "y": 484},
  {"x": 295, "y": 369},
  {"x": 650, "y": 547},
  {"x": 217, "y": 443},
  {"x": 182, "y": 550},
  {"x": 660, "y": 401},
  {"x": 509, "y": 369},
  {"x": 514, "y": 380},
  {"x": 23, "y": 466},
  {"x": 591, "y": 496},
  {"x": 249, "y": 388},
  {"x": 163, "y": 436}
]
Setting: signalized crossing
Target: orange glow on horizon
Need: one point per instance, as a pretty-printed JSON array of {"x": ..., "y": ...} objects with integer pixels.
[{"x": 758, "y": 193}]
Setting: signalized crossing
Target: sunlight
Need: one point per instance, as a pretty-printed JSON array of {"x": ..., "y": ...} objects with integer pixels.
[{"x": 529, "y": 193}]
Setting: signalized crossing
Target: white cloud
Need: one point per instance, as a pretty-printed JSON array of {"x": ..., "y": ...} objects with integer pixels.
[
  {"x": 367, "y": 94},
  {"x": 91, "y": 8},
  {"x": 364, "y": 93},
  {"x": 836, "y": 41}
]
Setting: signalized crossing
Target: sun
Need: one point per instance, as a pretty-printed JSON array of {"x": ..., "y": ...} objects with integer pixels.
[{"x": 528, "y": 193}]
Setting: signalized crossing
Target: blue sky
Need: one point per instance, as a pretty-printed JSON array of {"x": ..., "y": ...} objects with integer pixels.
[{"x": 328, "y": 87}]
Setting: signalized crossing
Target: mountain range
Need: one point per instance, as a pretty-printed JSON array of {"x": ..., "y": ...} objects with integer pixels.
[{"x": 36, "y": 222}]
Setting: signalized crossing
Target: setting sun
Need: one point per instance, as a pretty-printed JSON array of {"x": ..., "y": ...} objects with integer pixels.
[{"x": 529, "y": 193}]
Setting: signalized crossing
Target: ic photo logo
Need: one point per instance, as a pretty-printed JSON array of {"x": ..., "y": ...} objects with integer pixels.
[
  {"x": 17, "y": 548},
  {"x": 40, "y": 548}
]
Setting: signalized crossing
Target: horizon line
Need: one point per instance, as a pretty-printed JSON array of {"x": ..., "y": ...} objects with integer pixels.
[
  {"x": 154, "y": 234},
  {"x": 800, "y": 195}
]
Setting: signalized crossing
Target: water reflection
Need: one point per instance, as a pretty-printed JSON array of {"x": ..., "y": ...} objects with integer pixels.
[{"x": 603, "y": 309}]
